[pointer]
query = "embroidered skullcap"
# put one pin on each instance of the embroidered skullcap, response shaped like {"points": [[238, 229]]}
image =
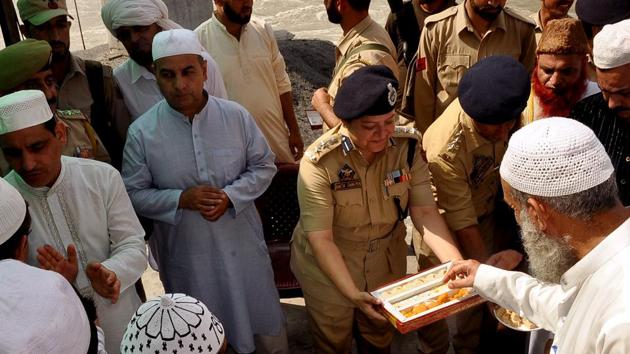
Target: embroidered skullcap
{"points": [[369, 91], [563, 36], [22, 60], [611, 46], [176, 42], [602, 12], [23, 109], [554, 157], [494, 90], [40, 312], [12, 210], [118, 13], [38, 12], [171, 322]]}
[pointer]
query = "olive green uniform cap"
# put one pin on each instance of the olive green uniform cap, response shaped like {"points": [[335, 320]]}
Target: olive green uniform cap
{"points": [[37, 12], [22, 60]]}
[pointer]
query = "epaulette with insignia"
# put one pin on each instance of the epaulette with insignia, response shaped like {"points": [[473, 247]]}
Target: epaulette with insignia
{"points": [[451, 11], [454, 144], [406, 132], [69, 113], [519, 16], [316, 151]]}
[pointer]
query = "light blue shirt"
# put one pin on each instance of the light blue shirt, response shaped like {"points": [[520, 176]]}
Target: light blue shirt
{"points": [[224, 263]]}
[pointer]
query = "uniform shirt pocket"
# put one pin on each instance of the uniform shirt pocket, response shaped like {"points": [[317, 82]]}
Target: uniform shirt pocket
{"points": [[349, 210], [450, 71]]}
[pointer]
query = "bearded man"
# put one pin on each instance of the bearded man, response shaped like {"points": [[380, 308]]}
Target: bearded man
{"points": [[559, 180], [560, 78]]}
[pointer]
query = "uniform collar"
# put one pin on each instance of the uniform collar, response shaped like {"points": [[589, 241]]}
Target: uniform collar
{"points": [[346, 40], [471, 136], [603, 253], [77, 67], [347, 145], [462, 21], [137, 71]]}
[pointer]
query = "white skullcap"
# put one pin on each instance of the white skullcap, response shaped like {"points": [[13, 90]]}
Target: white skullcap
{"points": [[40, 312], [554, 157], [118, 13], [176, 42], [172, 322], [23, 109], [12, 210], [611, 46]]}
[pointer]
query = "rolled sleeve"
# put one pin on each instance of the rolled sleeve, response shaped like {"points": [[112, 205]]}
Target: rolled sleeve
{"points": [[453, 193], [315, 198]]}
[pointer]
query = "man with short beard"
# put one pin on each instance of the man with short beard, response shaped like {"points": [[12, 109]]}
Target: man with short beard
{"points": [[608, 112], [559, 180], [255, 73], [560, 78], [364, 43], [454, 40], [85, 85], [134, 23]]}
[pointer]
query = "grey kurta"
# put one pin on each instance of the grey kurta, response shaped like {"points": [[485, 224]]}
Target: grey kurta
{"points": [[225, 263]]}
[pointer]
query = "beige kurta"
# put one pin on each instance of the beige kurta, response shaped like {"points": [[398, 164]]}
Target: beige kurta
{"points": [[254, 74]]}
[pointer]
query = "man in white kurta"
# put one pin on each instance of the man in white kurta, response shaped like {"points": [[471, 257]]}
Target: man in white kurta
{"points": [[84, 204], [135, 23], [254, 73], [205, 151], [560, 182]]}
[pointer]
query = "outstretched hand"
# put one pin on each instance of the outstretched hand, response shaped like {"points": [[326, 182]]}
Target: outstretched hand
{"points": [[50, 259], [104, 281], [508, 259], [462, 274]]}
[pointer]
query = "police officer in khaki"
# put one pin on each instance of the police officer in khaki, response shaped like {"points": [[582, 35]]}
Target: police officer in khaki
{"points": [[456, 39], [26, 65], [355, 186], [464, 148], [364, 42]]}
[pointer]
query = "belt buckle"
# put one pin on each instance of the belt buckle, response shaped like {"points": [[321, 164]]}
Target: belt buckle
{"points": [[373, 246]]}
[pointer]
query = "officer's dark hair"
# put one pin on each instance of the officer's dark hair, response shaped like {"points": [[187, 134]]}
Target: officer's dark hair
{"points": [[359, 5], [9, 248], [90, 311]]}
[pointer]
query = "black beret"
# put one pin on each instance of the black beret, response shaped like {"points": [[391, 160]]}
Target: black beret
{"points": [[602, 12], [369, 91], [494, 90]]}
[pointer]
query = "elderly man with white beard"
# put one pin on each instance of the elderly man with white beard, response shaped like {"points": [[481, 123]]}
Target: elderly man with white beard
{"points": [[559, 180]]}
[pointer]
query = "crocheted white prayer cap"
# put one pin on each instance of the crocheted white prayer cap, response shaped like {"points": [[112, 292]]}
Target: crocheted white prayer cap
{"points": [[611, 46], [23, 109], [40, 312], [554, 157], [170, 323], [12, 210], [175, 42]]}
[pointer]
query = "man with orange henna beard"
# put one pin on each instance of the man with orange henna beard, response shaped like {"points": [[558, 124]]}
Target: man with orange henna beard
{"points": [[560, 78]]}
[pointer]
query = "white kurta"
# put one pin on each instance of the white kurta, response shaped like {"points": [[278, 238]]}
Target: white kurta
{"points": [[89, 207], [255, 76], [223, 263], [140, 90], [589, 311]]}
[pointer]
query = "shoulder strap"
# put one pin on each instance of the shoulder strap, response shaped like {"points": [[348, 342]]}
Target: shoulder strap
{"points": [[356, 50]]}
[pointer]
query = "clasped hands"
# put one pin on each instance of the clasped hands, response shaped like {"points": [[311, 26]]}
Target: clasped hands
{"points": [[211, 202], [103, 281]]}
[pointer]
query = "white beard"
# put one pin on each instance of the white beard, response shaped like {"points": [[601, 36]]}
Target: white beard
{"points": [[549, 257]]}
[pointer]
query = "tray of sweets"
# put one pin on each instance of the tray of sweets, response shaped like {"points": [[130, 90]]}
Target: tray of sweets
{"points": [[420, 299]]}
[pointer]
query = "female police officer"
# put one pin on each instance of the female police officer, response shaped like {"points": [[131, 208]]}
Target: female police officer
{"points": [[355, 186]]}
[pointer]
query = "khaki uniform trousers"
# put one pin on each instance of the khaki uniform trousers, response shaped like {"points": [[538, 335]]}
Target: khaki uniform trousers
{"points": [[334, 320]]}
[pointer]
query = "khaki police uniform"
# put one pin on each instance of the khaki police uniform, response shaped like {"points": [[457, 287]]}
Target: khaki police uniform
{"points": [[367, 43], [82, 140], [465, 171], [449, 46], [338, 190]]}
